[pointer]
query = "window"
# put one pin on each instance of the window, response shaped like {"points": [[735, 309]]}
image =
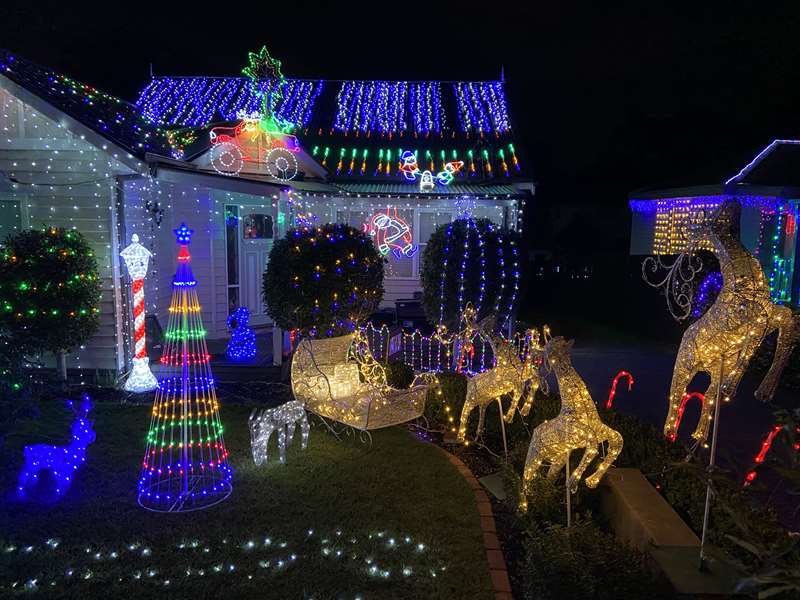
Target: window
{"points": [[232, 252], [429, 222], [257, 226]]}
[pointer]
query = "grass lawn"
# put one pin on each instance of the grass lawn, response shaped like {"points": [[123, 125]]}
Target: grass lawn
{"points": [[340, 520]]}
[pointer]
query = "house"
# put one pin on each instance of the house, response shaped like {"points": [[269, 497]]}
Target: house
{"points": [[189, 150], [768, 188]]}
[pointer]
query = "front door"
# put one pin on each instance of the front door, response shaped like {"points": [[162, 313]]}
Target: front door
{"points": [[255, 243]]}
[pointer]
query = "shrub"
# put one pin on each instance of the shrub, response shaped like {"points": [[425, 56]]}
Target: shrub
{"points": [[682, 485], [322, 280], [49, 290], [445, 401], [398, 374], [443, 260], [585, 562]]}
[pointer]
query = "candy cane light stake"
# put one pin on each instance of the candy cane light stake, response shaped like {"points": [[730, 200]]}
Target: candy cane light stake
{"points": [[136, 258]]}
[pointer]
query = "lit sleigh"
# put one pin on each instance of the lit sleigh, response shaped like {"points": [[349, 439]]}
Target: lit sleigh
{"points": [[254, 140], [339, 379]]}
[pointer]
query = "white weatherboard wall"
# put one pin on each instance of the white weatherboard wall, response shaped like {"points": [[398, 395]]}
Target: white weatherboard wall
{"points": [[75, 188], [194, 207]]}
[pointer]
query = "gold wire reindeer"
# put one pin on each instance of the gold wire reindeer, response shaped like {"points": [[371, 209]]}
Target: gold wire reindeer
{"points": [[722, 342], [577, 426], [510, 375]]}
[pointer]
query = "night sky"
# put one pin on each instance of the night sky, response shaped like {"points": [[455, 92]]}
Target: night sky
{"points": [[604, 99]]}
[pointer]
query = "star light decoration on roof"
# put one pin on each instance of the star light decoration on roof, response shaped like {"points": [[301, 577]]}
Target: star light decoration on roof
{"points": [[262, 65]]}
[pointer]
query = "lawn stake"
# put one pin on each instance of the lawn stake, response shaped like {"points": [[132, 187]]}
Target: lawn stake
{"points": [[711, 462]]}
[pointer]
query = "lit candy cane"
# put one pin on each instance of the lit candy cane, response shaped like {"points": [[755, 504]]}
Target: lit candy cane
{"points": [[613, 391], [686, 397], [765, 447], [136, 259]]}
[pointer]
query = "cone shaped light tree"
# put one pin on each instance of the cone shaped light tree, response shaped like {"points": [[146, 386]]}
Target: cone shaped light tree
{"points": [[185, 465]]}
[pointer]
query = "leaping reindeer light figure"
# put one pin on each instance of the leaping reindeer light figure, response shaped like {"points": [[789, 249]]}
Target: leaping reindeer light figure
{"points": [[61, 461], [722, 341], [577, 426], [510, 375]]}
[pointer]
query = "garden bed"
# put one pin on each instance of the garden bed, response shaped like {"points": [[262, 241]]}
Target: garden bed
{"points": [[546, 560]]}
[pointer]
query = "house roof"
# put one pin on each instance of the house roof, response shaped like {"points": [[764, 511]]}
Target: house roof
{"points": [[776, 165], [453, 190], [118, 121], [773, 172], [359, 129]]}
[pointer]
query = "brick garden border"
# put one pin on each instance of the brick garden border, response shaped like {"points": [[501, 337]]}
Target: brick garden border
{"points": [[494, 554]]}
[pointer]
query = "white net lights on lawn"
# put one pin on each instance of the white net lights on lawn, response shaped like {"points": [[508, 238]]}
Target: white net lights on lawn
{"points": [[284, 419], [136, 259], [722, 341], [374, 555], [577, 426]]}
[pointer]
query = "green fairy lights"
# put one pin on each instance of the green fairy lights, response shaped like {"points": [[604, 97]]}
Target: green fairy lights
{"points": [[49, 290]]}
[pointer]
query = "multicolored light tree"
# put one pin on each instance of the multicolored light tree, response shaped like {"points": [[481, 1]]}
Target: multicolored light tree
{"points": [[185, 464]]}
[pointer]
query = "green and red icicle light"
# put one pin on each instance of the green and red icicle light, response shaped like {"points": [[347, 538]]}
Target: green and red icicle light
{"points": [[185, 465]]}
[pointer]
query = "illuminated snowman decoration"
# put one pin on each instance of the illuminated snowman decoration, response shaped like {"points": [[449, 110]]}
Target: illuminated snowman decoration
{"points": [[427, 180]]}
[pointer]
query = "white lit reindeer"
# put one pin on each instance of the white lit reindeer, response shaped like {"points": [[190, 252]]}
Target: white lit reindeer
{"points": [[283, 419], [61, 461]]}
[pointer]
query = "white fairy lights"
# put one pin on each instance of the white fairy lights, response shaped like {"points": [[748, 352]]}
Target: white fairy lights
{"points": [[259, 556], [136, 259], [284, 419]]}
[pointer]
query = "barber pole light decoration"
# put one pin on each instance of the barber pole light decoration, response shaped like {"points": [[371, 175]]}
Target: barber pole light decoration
{"points": [[136, 259]]}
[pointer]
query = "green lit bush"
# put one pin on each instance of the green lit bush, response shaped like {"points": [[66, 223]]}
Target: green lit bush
{"points": [[49, 292]]}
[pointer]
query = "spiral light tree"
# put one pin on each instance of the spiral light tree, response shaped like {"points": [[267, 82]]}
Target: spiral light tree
{"points": [[185, 464], [136, 259]]}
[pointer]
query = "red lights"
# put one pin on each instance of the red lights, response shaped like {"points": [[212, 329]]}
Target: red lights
{"points": [[613, 391]]}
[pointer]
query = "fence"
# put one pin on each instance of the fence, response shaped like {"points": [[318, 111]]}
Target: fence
{"points": [[426, 353]]}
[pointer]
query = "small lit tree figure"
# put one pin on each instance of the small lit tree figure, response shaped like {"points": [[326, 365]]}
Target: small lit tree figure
{"points": [[185, 464], [136, 259]]}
